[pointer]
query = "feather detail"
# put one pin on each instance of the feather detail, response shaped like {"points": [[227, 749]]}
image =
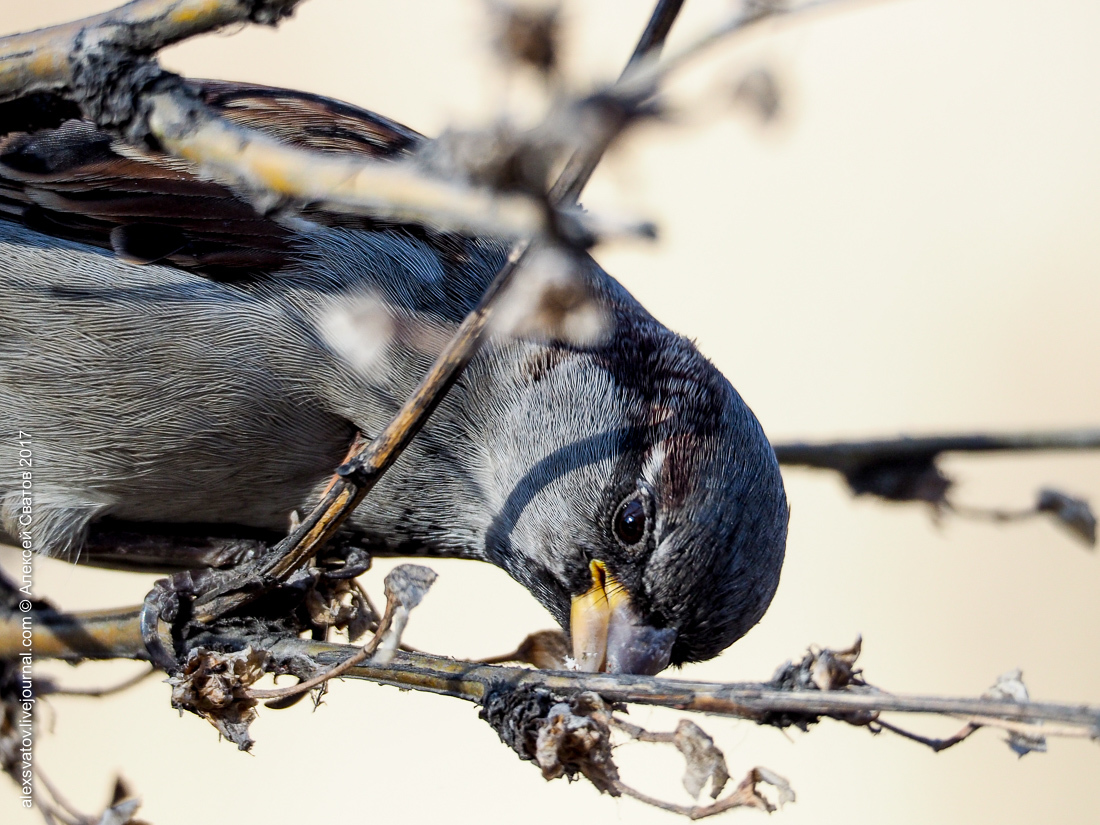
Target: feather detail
{"points": [[69, 180]]}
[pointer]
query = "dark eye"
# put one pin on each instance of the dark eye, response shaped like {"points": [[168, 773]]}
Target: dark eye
{"points": [[630, 521]]}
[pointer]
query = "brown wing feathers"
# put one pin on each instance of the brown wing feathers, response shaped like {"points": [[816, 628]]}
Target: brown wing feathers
{"points": [[65, 178]]}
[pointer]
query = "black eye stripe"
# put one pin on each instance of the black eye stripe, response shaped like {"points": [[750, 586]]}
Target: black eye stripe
{"points": [[630, 521]]}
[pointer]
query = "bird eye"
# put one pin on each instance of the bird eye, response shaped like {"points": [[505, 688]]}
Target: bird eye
{"points": [[630, 521]]}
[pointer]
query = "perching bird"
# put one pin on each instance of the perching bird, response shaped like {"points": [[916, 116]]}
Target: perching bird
{"points": [[188, 372]]}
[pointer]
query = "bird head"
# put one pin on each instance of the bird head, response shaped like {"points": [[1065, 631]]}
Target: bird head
{"points": [[638, 498]]}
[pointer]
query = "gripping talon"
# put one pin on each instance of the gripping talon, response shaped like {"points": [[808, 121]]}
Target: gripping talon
{"points": [[159, 655], [163, 603]]}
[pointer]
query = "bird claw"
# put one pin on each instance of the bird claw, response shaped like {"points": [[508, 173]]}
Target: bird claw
{"points": [[169, 601], [346, 563]]}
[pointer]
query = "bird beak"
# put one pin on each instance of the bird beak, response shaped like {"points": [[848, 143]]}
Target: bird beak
{"points": [[609, 636]]}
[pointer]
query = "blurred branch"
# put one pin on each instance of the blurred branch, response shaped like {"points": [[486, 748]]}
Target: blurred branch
{"points": [[49, 688], [848, 456], [582, 164], [274, 175], [656, 32], [644, 73], [103, 65], [56, 808], [60, 58], [647, 74], [905, 469]]}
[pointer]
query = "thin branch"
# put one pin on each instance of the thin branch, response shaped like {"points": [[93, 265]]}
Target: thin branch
{"points": [[647, 74], [936, 745], [54, 690], [334, 672], [61, 808], [1035, 730], [405, 587], [843, 456], [79, 636], [996, 515], [656, 33], [905, 469], [75, 637], [741, 798], [745, 700], [51, 59], [582, 164], [251, 162]]}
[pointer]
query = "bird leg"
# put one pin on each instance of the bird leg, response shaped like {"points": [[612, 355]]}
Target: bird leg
{"points": [[164, 603], [190, 555], [170, 548], [301, 602]]}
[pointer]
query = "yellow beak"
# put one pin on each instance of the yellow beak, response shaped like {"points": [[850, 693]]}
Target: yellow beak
{"points": [[590, 618], [607, 633]]}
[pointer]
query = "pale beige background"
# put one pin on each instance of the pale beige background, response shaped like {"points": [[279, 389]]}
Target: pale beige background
{"points": [[914, 249]]}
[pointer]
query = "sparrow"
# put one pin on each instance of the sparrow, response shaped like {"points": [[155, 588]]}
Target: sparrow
{"points": [[183, 372]]}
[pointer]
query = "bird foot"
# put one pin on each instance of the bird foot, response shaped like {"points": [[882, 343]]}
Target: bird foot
{"points": [[171, 611], [169, 602]]}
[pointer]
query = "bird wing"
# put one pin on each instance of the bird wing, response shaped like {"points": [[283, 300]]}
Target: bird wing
{"points": [[61, 176]]}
